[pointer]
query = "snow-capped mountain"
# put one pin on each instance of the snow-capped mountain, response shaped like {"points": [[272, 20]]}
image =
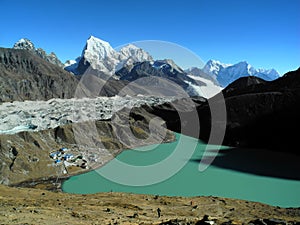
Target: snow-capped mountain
{"points": [[128, 64], [130, 54], [26, 44], [131, 63], [213, 67], [227, 73], [102, 57]]}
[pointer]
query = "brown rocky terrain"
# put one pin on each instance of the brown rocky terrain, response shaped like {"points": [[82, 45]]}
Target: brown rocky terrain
{"points": [[34, 206], [26, 76]]}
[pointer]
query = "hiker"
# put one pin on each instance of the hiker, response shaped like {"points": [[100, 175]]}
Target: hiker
{"points": [[158, 212]]}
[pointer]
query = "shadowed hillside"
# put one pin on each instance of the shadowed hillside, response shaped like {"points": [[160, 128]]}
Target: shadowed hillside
{"points": [[25, 76]]}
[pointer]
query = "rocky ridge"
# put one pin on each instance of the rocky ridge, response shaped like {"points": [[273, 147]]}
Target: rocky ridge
{"points": [[26, 44]]}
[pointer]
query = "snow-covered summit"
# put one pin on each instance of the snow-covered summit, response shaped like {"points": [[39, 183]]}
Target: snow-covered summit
{"points": [[134, 52], [97, 49], [213, 67], [25, 44], [101, 56], [227, 73]]}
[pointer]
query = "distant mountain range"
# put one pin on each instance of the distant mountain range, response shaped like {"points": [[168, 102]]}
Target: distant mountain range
{"points": [[101, 56], [130, 63], [227, 73]]}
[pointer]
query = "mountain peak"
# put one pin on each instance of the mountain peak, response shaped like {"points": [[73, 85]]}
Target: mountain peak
{"points": [[244, 64], [25, 44], [130, 46], [217, 63], [171, 63], [93, 39], [213, 67], [101, 56], [97, 49], [139, 54], [227, 73]]}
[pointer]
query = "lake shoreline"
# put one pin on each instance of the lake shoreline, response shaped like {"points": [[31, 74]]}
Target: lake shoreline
{"points": [[56, 184], [53, 183], [237, 181]]}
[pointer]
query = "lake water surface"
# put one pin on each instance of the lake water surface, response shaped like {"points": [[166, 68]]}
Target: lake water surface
{"points": [[216, 180]]}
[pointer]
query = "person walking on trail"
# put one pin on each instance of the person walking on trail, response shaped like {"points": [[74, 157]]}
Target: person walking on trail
{"points": [[158, 212]]}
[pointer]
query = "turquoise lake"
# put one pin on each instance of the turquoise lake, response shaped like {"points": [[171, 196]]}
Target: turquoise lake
{"points": [[248, 175]]}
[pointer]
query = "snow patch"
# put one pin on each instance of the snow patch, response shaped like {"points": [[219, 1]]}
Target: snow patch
{"points": [[208, 90]]}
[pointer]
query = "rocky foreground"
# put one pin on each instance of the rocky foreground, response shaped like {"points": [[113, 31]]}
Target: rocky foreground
{"points": [[34, 206]]}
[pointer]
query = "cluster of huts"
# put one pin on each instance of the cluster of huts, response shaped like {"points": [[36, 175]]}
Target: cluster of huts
{"points": [[64, 156]]}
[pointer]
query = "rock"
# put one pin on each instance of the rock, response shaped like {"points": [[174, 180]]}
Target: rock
{"points": [[271, 221], [205, 221], [274, 221], [175, 222]]}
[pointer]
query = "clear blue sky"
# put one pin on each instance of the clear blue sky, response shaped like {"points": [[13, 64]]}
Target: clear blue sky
{"points": [[266, 33]]}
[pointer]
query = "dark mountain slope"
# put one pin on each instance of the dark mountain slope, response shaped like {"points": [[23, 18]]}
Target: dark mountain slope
{"points": [[260, 114], [25, 76], [263, 114]]}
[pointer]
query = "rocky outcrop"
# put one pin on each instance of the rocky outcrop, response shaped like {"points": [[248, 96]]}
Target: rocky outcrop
{"points": [[51, 58], [25, 76]]}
